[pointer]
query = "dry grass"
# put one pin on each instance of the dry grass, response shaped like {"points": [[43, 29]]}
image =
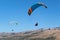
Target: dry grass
{"points": [[33, 35]]}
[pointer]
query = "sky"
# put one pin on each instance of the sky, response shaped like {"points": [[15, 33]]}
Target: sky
{"points": [[17, 11]]}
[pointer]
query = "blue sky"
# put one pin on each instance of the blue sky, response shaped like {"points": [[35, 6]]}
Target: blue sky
{"points": [[17, 10]]}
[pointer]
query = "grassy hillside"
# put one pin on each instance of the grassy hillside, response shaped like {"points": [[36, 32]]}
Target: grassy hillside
{"points": [[48, 34]]}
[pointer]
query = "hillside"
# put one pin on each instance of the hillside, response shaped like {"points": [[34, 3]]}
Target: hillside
{"points": [[48, 34]]}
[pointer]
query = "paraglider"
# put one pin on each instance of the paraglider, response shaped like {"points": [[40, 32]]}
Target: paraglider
{"points": [[33, 7], [13, 24], [36, 24], [12, 30]]}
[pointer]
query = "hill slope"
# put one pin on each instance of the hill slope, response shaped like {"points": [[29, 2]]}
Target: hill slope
{"points": [[52, 34]]}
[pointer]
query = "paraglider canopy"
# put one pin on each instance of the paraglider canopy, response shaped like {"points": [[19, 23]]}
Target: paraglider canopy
{"points": [[33, 7], [12, 23]]}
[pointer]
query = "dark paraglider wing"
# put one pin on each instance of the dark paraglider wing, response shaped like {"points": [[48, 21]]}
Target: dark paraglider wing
{"points": [[33, 7]]}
